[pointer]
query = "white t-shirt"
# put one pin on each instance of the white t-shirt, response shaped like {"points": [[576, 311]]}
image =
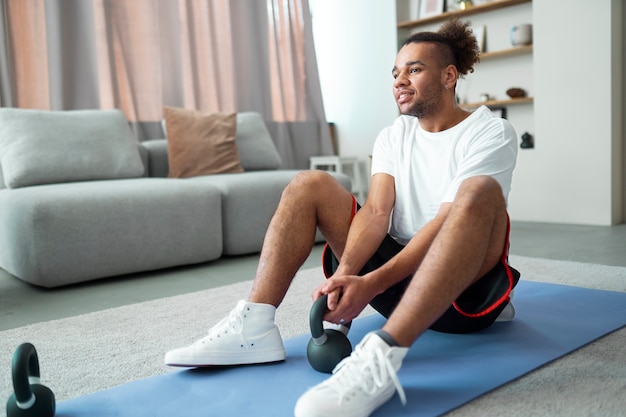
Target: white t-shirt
{"points": [[428, 168]]}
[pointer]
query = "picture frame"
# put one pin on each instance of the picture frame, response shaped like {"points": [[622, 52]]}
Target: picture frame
{"points": [[498, 112], [430, 8], [479, 34]]}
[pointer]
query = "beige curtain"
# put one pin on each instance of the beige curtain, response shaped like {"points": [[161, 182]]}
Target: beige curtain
{"points": [[286, 56], [127, 55], [133, 63], [207, 59], [25, 25], [140, 55]]}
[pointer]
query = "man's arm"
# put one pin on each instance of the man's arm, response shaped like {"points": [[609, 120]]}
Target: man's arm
{"points": [[357, 291], [369, 227], [406, 262], [367, 230]]}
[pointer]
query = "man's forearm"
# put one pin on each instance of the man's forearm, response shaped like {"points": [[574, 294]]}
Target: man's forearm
{"points": [[367, 231], [408, 260]]}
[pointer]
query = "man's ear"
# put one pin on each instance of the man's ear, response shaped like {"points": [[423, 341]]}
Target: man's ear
{"points": [[450, 75]]}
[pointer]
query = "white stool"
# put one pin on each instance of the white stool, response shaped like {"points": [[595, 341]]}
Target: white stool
{"points": [[335, 163]]}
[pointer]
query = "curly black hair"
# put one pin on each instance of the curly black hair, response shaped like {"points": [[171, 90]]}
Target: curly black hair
{"points": [[460, 46]]}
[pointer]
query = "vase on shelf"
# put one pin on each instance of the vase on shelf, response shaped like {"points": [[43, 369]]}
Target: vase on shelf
{"points": [[465, 4]]}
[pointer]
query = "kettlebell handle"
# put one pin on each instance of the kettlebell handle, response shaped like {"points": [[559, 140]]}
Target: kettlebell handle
{"points": [[327, 347], [25, 362], [30, 398], [316, 319]]}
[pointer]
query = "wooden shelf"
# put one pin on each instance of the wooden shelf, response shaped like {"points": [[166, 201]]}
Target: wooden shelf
{"points": [[481, 8], [498, 103], [520, 50]]}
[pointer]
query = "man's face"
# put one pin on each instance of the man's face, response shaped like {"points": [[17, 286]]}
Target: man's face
{"points": [[418, 86]]}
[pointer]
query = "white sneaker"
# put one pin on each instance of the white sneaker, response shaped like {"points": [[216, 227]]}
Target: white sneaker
{"points": [[360, 383], [248, 335], [508, 313]]}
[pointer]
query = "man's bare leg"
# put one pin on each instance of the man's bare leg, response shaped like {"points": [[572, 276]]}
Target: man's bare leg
{"points": [[249, 333], [468, 245], [312, 199]]}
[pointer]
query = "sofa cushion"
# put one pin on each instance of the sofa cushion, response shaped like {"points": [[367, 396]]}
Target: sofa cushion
{"points": [[256, 147], [201, 143], [45, 147], [61, 234], [249, 201]]}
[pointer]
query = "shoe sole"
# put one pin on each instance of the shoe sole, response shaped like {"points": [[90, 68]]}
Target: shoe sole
{"points": [[384, 397], [230, 360]]}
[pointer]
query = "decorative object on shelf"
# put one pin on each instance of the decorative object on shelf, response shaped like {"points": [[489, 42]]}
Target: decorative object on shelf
{"points": [[430, 8], [527, 141], [484, 97], [515, 92], [452, 6], [498, 112], [465, 4], [479, 34], [522, 34]]}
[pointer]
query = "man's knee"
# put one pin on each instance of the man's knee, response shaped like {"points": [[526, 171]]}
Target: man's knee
{"points": [[480, 190], [482, 203], [481, 183], [309, 183]]}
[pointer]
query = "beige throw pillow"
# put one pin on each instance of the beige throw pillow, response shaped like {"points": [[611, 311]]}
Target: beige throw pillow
{"points": [[201, 143]]}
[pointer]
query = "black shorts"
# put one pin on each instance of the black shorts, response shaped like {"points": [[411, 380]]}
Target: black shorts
{"points": [[476, 308]]}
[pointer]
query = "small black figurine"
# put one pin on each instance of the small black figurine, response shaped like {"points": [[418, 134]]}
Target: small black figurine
{"points": [[527, 141]]}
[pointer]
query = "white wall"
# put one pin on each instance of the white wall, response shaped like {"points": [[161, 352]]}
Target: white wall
{"points": [[574, 174], [355, 43]]}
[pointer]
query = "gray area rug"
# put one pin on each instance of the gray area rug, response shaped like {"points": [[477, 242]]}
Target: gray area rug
{"points": [[92, 352]]}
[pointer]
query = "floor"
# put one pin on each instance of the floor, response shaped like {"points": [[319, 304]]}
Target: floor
{"points": [[22, 304]]}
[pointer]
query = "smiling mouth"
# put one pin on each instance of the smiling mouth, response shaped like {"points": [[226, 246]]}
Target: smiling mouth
{"points": [[403, 97]]}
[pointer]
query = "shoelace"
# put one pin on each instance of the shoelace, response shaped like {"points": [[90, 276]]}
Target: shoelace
{"points": [[360, 368], [234, 321]]}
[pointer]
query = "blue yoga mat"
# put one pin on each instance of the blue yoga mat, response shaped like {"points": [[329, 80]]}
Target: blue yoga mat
{"points": [[441, 371]]}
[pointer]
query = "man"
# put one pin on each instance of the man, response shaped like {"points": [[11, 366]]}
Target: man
{"points": [[428, 249]]}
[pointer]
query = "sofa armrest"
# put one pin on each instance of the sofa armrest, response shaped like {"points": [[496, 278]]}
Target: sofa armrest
{"points": [[158, 165]]}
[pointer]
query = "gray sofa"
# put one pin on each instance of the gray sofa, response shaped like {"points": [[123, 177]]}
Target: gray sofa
{"points": [[82, 199]]}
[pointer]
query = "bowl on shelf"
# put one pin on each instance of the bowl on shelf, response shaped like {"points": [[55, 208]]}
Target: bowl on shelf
{"points": [[515, 92]]}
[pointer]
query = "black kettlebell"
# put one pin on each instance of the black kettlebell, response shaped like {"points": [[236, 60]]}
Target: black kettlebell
{"points": [[327, 347], [31, 399]]}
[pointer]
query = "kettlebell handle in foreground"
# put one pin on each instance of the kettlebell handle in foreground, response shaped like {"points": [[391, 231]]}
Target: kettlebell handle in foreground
{"points": [[30, 399]]}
